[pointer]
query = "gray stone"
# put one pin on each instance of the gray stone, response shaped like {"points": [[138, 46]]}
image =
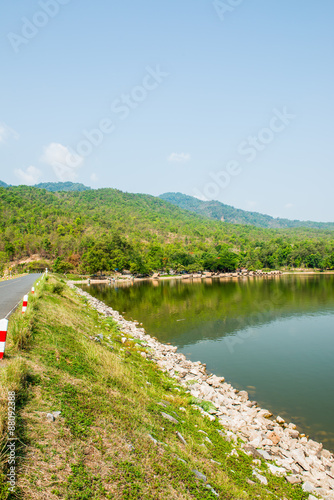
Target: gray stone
{"points": [[152, 439], [264, 454], [300, 460], [250, 450], [293, 479], [293, 433], [308, 487], [199, 475], [212, 490], [249, 481], [243, 396], [280, 420], [181, 438], [215, 462], [56, 414], [50, 417], [215, 381], [233, 453], [276, 470], [169, 417]]}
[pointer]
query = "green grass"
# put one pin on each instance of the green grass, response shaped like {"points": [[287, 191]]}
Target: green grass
{"points": [[110, 402]]}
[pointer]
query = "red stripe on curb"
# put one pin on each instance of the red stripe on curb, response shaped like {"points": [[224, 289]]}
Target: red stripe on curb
{"points": [[25, 303], [3, 335]]}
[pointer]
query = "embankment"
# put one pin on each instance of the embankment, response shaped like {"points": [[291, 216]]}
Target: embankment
{"points": [[296, 457], [97, 418]]}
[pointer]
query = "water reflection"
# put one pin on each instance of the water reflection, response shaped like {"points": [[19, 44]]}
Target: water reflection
{"points": [[272, 337]]}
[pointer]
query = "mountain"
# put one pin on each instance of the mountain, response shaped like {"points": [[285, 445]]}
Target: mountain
{"points": [[62, 186], [107, 229], [219, 211], [56, 186]]}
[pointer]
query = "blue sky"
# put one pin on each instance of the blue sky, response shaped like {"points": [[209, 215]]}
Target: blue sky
{"points": [[229, 100]]}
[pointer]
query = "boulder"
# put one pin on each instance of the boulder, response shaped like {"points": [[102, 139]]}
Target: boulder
{"points": [[199, 475], [275, 438], [243, 395]]}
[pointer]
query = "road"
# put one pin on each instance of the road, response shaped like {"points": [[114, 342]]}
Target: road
{"points": [[12, 291]]}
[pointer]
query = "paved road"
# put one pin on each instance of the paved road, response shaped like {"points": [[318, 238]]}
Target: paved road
{"points": [[12, 291]]}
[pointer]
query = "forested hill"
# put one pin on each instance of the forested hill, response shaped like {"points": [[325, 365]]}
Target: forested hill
{"points": [[62, 186], [57, 186], [106, 229], [219, 211]]}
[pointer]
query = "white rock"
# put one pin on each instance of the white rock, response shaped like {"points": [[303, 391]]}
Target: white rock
{"points": [[181, 438], [293, 479], [276, 470], [262, 479], [256, 442], [243, 395], [308, 487], [264, 454]]}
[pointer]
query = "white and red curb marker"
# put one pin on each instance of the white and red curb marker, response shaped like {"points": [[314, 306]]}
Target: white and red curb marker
{"points": [[3, 335], [25, 304], [33, 290]]}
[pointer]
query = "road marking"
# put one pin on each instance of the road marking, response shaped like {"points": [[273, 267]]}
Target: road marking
{"points": [[10, 312], [6, 283]]}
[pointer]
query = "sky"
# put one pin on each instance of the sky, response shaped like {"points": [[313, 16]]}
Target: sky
{"points": [[220, 99]]}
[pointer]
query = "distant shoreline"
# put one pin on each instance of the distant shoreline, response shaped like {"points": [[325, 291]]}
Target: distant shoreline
{"points": [[125, 279]]}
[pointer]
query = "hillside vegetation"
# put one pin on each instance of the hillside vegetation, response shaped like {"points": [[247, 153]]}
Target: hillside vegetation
{"points": [[219, 211], [108, 438], [56, 186], [62, 186], [106, 229]]}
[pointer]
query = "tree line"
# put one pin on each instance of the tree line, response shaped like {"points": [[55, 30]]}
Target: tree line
{"points": [[106, 230]]}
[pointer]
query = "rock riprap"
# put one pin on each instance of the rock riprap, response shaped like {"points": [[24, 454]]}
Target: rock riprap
{"points": [[299, 459]]}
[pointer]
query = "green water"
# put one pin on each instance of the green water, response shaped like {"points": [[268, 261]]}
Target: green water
{"points": [[271, 337]]}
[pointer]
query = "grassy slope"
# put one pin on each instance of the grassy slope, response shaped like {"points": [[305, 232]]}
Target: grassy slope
{"points": [[99, 447]]}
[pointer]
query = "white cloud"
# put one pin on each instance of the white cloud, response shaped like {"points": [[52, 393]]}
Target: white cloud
{"points": [[179, 157], [7, 133], [94, 177], [62, 160], [289, 205], [30, 176]]}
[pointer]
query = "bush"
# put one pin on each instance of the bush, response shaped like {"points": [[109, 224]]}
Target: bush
{"points": [[58, 288]]}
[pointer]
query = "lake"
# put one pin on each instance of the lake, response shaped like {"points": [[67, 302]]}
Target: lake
{"points": [[273, 337]]}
